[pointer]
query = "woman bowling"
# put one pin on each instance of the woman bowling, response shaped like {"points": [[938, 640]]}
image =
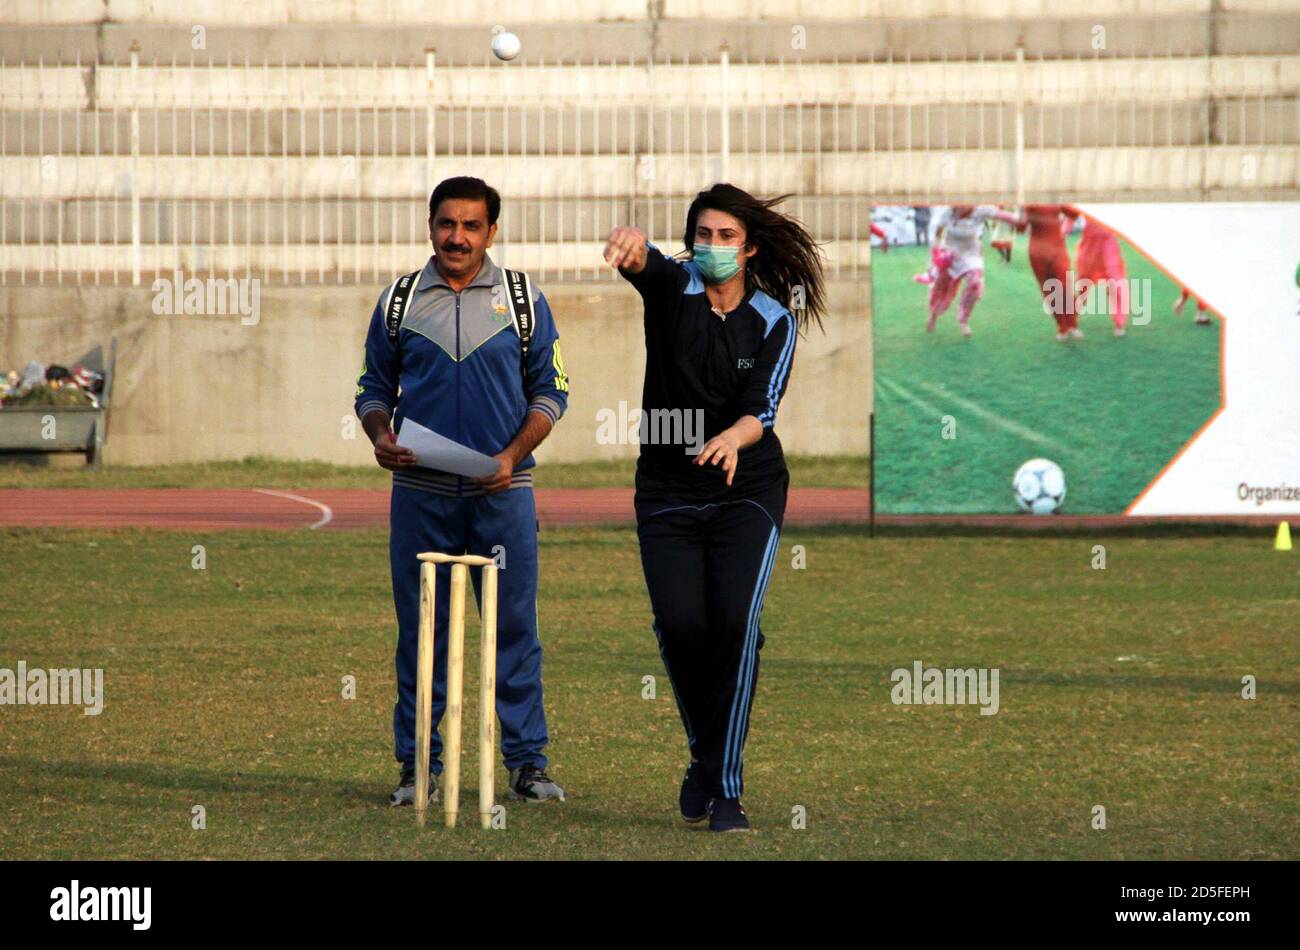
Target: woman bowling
{"points": [[711, 480]]}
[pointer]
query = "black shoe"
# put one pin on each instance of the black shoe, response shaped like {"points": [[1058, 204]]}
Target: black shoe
{"points": [[404, 794], [727, 814], [695, 794], [530, 784]]}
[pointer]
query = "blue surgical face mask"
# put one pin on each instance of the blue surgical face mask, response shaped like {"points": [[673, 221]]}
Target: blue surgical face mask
{"points": [[717, 262]]}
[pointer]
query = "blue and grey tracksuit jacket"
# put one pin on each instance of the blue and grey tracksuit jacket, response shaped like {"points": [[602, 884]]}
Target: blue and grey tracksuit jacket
{"points": [[456, 368]]}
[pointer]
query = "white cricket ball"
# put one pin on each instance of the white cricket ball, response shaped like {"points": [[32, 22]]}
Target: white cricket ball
{"points": [[506, 46]]}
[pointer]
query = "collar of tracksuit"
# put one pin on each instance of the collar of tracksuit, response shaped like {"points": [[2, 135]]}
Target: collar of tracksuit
{"points": [[489, 275]]}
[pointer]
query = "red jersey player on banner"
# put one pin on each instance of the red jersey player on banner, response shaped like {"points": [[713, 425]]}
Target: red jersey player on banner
{"points": [[1050, 260], [1099, 258]]}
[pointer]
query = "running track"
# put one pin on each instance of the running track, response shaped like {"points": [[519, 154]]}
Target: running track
{"points": [[342, 508], [334, 508]]}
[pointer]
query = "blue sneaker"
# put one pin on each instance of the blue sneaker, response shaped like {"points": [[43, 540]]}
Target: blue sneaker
{"points": [[695, 794], [727, 814]]}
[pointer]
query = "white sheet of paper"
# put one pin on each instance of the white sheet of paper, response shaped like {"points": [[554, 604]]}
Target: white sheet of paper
{"points": [[437, 451]]}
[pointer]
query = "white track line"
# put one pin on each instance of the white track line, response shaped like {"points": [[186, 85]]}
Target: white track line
{"points": [[942, 392], [327, 517], [1001, 422], [894, 388]]}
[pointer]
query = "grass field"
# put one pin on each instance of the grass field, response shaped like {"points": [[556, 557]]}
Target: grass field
{"points": [[806, 471], [1112, 412], [223, 689]]}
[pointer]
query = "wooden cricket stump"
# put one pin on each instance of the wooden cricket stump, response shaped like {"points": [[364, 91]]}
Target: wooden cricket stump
{"points": [[460, 565]]}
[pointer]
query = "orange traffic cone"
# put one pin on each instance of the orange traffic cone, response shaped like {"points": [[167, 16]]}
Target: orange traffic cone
{"points": [[1283, 542]]}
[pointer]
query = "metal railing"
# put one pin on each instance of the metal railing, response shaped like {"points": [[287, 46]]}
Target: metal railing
{"points": [[319, 173]]}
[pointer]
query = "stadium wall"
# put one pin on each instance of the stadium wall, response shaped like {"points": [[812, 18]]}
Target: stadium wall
{"points": [[203, 388]]}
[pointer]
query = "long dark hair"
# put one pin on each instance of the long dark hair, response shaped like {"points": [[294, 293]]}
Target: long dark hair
{"points": [[787, 257]]}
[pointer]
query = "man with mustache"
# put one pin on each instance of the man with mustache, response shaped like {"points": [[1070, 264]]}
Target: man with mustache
{"points": [[471, 351]]}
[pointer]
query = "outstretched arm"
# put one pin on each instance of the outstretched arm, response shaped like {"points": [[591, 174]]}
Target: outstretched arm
{"points": [[626, 250], [656, 277], [1006, 217]]}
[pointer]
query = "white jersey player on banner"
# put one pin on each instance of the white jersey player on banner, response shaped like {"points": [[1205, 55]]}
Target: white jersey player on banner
{"points": [[958, 256]]}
